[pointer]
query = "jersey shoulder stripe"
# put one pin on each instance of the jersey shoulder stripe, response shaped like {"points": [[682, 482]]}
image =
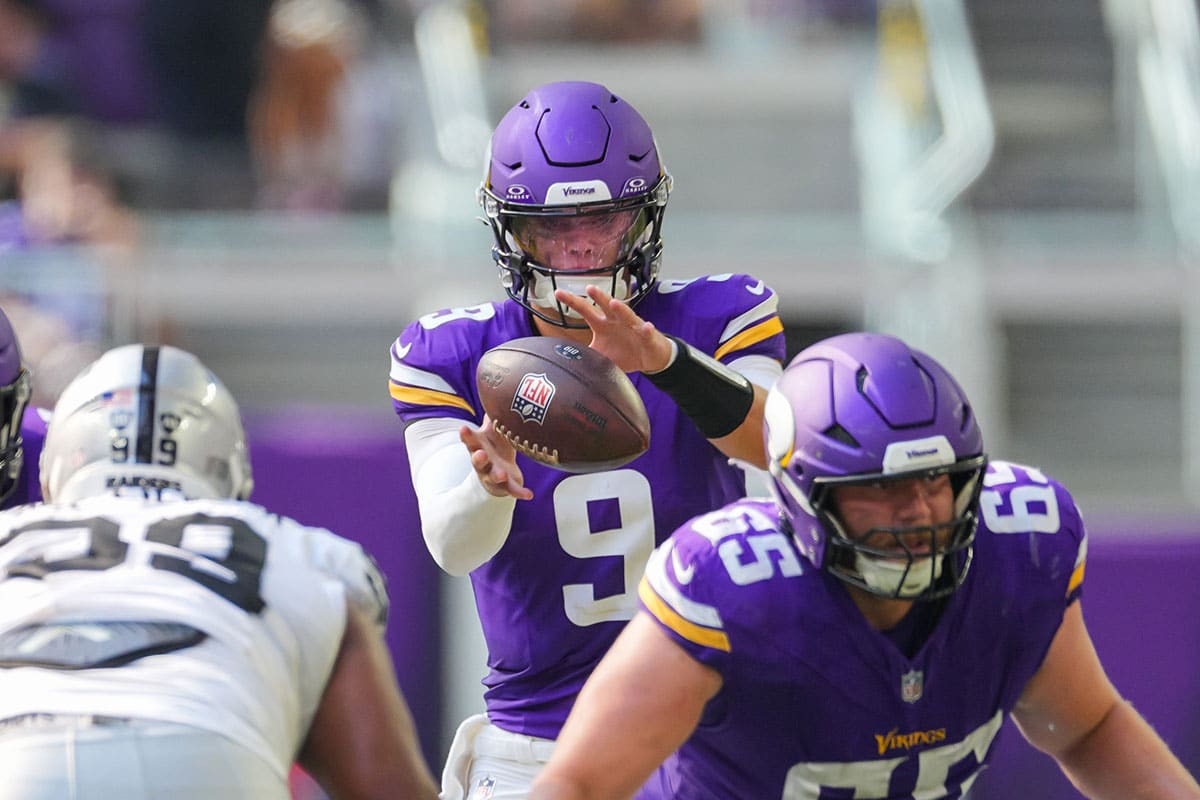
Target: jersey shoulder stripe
{"points": [[725, 316], [404, 374], [663, 597], [1077, 574], [751, 336], [425, 397], [667, 616], [765, 311]]}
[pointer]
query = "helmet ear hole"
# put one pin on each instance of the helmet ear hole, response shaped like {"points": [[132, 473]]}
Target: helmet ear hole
{"points": [[840, 434], [968, 418]]}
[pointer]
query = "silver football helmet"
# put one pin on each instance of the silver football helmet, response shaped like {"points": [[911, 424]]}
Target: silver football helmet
{"points": [[150, 418]]}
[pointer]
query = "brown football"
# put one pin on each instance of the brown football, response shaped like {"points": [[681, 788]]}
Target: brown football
{"points": [[563, 404]]}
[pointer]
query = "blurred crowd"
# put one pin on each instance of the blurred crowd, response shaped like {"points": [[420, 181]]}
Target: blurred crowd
{"points": [[110, 109], [191, 104], [175, 104], [269, 104], [113, 108]]}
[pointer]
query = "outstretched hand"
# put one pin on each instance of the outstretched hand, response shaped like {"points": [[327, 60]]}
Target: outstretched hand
{"points": [[629, 341], [495, 461]]}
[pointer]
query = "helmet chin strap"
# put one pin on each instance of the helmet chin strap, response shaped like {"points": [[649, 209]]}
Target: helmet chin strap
{"points": [[888, 576]]}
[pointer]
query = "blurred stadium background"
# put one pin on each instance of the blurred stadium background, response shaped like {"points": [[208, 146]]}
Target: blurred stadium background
{"points": [[1013, 186]]}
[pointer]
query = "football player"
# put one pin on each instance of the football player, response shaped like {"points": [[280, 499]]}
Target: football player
{"points": [[574, 193], [22, 427], [162, 637], [865, 633]]}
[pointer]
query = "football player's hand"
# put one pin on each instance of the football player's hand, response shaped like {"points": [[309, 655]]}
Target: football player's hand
{"points": [[495, 461], [629, 341]]}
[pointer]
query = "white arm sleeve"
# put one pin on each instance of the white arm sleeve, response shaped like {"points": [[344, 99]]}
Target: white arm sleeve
{"points": [[760, 370], [763, 371], [463, 525]]}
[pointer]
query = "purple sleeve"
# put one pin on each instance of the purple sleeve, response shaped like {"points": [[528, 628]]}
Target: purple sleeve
{"points": [[726, 316], [1034, 516], [433, 362], [700, 582]]}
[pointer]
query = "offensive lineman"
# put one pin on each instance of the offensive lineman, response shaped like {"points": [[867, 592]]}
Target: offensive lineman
{"points": [[865, 634]]}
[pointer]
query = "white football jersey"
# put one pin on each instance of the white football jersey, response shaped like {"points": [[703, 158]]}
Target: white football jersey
{"points": [[264, 595]]}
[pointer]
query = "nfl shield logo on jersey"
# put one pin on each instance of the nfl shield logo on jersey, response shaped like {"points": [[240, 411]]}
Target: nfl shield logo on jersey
{"points": [[484, 789], [912, 685], [533, 397]]}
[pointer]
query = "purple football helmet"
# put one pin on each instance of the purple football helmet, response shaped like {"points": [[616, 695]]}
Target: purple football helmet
{"points": [[865, 408], [15, 388], [574, 191]]}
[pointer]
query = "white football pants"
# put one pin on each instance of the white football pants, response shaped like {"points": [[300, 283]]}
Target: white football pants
{"points": [[76, 758], [489, 763]]}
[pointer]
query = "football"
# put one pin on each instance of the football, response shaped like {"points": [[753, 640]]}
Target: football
{"points": [[563, 404]]}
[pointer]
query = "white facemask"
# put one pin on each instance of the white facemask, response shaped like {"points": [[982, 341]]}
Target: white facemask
{"points": [[542, 292], [887, 575]]}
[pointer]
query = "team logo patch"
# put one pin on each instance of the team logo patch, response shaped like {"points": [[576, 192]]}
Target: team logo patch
{"points": [[484, 789], [533, 396], [912, 686]]}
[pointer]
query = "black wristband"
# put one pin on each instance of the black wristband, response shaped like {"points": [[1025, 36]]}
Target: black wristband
{"points": [[715, 397]]}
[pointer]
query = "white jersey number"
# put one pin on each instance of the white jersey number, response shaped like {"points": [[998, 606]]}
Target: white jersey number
{"points": [[633, 541], [439, 318], [1033, 509], [770, 550]]}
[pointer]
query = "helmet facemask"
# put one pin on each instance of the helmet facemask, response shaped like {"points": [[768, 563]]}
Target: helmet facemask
{"points": [[14, 397], [920, 562], [616, 245]]}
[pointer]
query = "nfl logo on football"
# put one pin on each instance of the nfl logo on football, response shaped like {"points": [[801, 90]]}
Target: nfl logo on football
{"points": [[912, 685], [533, 397]]}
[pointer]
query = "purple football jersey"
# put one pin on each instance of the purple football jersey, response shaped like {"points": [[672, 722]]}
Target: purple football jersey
{"points": [[33, 434], [815, 703], [554, 597]]}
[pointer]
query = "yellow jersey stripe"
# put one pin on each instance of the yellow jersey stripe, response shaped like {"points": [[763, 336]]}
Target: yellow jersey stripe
{"points": [[1076, 578], [427, 397], [763, 330], [717, 640]]}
